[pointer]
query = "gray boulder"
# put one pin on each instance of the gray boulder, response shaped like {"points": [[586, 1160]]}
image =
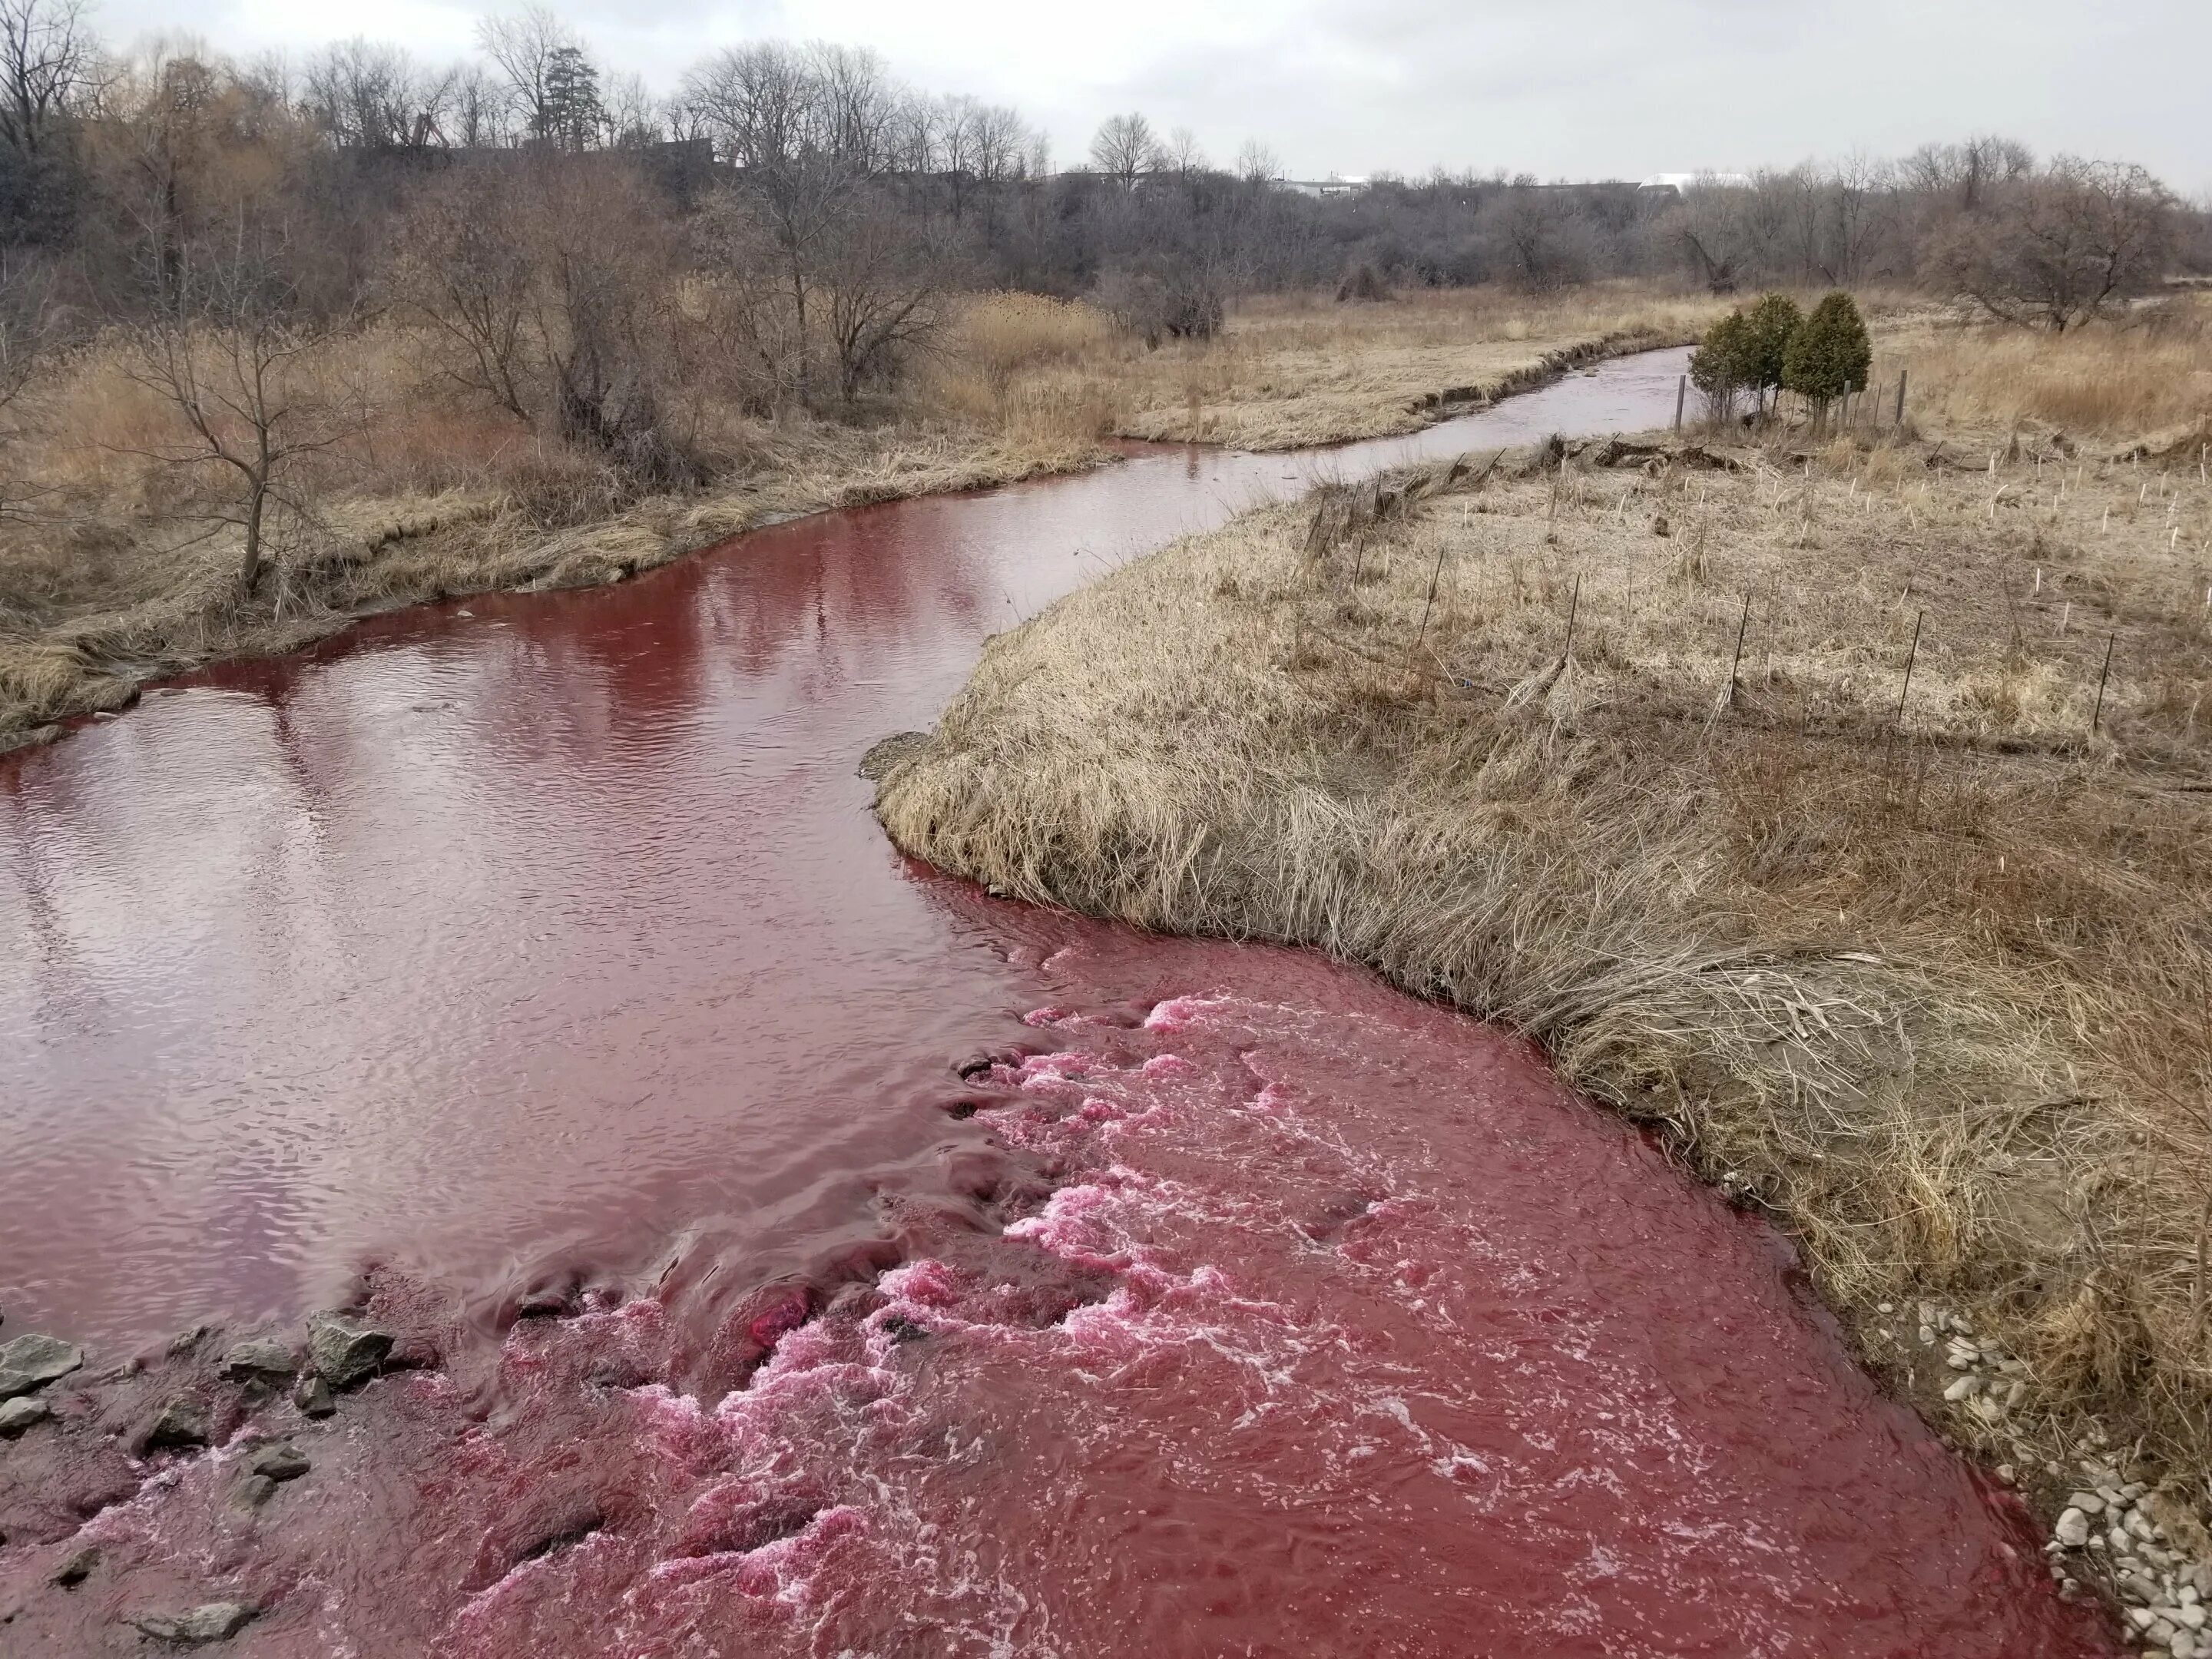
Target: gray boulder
{"points": [[281, 1461], [260, 1361], [18, 1415], [217, 1621], [32, 1361], [344, 1352], [312, 1396], [182, 1423]]}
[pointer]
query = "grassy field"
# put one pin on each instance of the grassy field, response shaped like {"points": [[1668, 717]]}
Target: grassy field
{"points": [[115, 566], [1293, 370], [1925, 970]]}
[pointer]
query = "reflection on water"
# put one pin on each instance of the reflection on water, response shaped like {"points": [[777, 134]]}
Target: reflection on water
{"points": [[543, 933]]}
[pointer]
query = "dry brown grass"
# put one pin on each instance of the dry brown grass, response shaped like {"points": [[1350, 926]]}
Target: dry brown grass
{"points": [[1290, 371], [2148, 372], [1933, 991]]}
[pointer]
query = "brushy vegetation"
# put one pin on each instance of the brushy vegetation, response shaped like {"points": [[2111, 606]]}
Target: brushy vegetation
{"points": [[1926, 972]]}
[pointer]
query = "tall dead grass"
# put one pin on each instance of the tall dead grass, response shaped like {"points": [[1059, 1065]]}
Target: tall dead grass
{"points": [[1930, 985], [2149, 371]]}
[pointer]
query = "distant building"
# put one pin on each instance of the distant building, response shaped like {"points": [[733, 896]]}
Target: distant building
{"points": [[1678, 182], [1335, 185]]}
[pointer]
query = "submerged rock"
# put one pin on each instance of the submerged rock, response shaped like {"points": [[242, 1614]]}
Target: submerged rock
{"points": [[75, 1568], [18, 1415], [345, 1351], [215, 1621], [253, 1492], [551, 1302], [33, 1360]]}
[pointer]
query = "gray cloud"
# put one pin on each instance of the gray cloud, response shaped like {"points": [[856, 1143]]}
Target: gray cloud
{"points": [[1618, 88]]}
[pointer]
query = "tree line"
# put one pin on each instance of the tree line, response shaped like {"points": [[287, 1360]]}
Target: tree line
{"points": [[778, 230]]}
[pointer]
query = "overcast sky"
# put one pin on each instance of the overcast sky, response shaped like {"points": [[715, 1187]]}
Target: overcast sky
{"points": [[1576, 88]]}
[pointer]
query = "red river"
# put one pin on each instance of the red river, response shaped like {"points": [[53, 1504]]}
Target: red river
{"points": [[936, 1276]]}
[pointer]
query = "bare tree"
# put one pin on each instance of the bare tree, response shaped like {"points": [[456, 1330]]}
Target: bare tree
{"points": [[552, 288], [1256, 164], [1182, 154], [2061, 247], [47, 63], [26, 332], [1124, 149], [233, 355], [462, 267], [806, 130], [368, 96], [880, 284], [526, 47], [478, 109], [633, 115]]}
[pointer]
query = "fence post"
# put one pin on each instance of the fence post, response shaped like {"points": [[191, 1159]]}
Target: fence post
{"points": [[2097, 718], [1681, 396], [1742, 622], [1899, 419], [1897, 720]]}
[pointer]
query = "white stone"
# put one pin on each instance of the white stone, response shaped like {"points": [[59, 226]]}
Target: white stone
{"points": [[2073, 1529], [2087, 1502]]}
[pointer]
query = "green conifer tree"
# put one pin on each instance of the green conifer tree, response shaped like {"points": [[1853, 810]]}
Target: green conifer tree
{"points": [[1721, 365], [1828, 356], [1769, 328]]}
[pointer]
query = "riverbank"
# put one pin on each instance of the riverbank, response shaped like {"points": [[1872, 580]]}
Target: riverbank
{"points": [[165, 611], [1292, 372], [118, 570], [1919, 970]]}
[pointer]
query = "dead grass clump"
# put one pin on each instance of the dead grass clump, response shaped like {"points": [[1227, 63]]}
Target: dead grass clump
{"points": [[2148, 372], [1927, 983]]}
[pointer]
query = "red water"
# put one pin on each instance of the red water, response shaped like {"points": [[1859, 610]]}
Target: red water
{"points": [[1241, 1307]]}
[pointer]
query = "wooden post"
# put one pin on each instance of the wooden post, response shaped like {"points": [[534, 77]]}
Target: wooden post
{"points": [[1911, 656], [1898, 420], [1681, 396], [1742, 622], [1897, 720], [2097, 718], [1434, 576], [1573, 606]]}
